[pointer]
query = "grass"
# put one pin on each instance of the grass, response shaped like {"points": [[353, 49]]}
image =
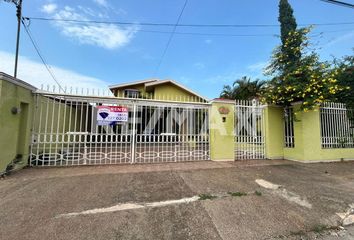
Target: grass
{"points": [[320, 228], [237, 194], [206, 196], [258, 193], [298, 233]]}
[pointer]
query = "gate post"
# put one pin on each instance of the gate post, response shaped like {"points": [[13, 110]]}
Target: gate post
{"points": [[274, 132], [133, 133], [222, 123]]}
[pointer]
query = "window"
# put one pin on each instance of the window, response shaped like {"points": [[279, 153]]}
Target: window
{"points": [[289, 128], [131, 93], [337, 126]]}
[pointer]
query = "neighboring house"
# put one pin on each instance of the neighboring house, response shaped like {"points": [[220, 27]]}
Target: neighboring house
{"points": [[156, 89]]}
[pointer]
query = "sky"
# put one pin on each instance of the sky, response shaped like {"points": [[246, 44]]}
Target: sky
{"points": [[201, 58]]}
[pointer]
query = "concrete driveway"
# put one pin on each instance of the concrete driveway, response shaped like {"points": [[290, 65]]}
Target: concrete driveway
{"points": [[162, 201]]}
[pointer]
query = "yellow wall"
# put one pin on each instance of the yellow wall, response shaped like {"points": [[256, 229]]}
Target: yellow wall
{"points": [[274, 132], [168, 91], [222, 145], [297, 152], [165, 91], [312, 141], [14, 128], [307, 134]]}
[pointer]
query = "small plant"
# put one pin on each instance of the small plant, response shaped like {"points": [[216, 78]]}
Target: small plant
{"points": [[320, 228], [258, 193], [206, 196], [298, 233], [237, 194]]}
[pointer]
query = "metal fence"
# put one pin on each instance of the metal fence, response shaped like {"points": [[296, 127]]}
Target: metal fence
{"points": [[337, 126], [289, 138], [66, 131], [249, 130]]}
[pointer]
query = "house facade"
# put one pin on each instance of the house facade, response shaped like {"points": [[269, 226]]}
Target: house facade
{"points": [[158, 121], [156, 89]]}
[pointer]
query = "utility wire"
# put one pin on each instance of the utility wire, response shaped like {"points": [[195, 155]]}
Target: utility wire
{"points": [[344, 4], [236, 35], [170, 38], [35, 45], [210, 34], [182, 25]]}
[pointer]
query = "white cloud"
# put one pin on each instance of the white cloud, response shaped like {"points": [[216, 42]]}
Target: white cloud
{"points": [[342, 38], [36, 74], [49, 8], [102, 3], [257, 67], [109, 36]]}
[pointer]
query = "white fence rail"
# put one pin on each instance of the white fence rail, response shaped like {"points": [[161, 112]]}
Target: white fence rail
{"points": [[249, 130], [337, 126], [105, 92], [289, 138], [66, 132]]}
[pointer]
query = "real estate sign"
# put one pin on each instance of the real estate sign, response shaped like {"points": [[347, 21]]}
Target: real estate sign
{"points": [[111, 115]]}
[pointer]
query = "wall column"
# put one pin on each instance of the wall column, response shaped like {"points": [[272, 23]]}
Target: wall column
{"points": [[274, 132], [222, 124]]}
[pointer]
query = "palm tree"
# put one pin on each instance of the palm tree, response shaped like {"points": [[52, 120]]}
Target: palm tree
{"points": [[243, 89]]}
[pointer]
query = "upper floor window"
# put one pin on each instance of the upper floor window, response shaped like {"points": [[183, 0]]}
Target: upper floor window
{"points": [[131, 93]]}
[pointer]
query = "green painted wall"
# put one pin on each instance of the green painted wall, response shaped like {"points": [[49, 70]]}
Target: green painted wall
{"points": [[222, 145], [274, 132], [14, 128]]}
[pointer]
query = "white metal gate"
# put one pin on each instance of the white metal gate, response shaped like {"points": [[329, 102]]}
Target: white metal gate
{"points": [[249, 130], [65, 131]]}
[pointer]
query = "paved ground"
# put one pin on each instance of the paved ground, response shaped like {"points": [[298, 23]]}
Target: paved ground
{"points": [[32, 199]]}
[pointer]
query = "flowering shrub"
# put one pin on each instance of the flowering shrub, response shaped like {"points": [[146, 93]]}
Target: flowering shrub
{"points": [[299, 76]]}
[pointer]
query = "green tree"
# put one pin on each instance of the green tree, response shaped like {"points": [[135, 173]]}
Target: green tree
{"points": [[346, 79], [243, 89], [287, 25], [310, 81], [287, 20]]}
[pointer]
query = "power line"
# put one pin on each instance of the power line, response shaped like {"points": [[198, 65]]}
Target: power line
{"points": [[194, 33], [235, 35], [182, 25], [211, 34], [344, 4], [35, 45], [170, 38]]}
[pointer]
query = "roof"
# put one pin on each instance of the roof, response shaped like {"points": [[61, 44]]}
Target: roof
{"points": [[154, 82], [16, 81], [131, 83]]}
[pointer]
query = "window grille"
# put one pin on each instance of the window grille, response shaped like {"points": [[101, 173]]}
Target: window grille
{"points": [[337, 126], [131, 93]]}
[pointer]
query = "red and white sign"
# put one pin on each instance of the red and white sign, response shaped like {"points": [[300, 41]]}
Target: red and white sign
{"points": [[111, 115]]}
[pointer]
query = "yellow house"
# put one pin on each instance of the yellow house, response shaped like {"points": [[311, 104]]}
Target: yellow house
{"points": [[156, 89]]}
